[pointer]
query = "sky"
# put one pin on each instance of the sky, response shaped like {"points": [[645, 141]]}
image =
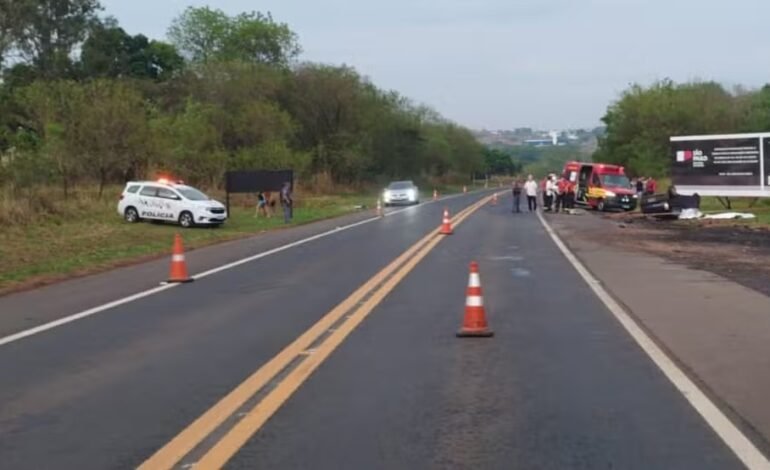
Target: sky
{"points": [[502, 64]]}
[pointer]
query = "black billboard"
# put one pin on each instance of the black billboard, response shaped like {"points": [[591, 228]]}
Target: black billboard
{"points": [[254, 181], [729, 161]]}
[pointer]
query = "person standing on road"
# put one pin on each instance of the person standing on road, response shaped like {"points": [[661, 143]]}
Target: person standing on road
{"points": [[286, 202], [516, 195], [569, 199], [550, 192], [530, 187], [561, 194], [640, 186], [651, 186]]}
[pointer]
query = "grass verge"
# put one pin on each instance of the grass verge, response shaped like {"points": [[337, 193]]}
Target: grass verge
{"points": [[96, 238]]}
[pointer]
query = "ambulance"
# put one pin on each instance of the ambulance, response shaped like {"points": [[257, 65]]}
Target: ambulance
{"points": [[601, 186]]}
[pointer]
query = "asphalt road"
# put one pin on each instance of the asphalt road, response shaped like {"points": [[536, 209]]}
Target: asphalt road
{"points": [[561, 385]]}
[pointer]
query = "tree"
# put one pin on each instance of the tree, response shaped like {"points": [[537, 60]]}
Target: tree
{"points": [[640, 124], [757, 114], [113, 138], [49, 31], [110, 52], [327, 103], [205, 34], [10, 21], [499, 162], [50, 108]]}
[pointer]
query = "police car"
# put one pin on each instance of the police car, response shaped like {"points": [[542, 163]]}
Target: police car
{"points": [[170, 202]]}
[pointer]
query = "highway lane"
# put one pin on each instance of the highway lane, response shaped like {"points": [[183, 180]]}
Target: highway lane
{"points": [[561, 385], [107, 391]]}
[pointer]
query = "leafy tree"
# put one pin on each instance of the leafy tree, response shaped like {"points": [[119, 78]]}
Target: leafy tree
{"points": [[50, 109], [499, 162], [113, 137], [640, 124], [110, 52], [49, 30], [205, 34]]}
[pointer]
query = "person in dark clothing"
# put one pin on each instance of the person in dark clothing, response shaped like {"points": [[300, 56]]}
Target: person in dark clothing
{"points": [[517, 196], [286, 202], [640, 186]]}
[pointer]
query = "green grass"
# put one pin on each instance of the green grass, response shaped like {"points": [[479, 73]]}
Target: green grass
{"points": [[96, 238]]}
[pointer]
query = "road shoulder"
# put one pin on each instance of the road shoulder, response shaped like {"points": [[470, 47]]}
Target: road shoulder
{"points": [[717, 329]]}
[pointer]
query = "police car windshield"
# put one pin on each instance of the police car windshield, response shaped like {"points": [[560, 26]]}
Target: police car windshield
{"points": [[193, 194], [616, 180], [400, 185]]}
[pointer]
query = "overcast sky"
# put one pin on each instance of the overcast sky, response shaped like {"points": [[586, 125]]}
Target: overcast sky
{"points": [[500, 64]]}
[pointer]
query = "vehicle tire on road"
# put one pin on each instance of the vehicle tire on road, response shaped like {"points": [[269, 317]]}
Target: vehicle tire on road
{"points": [[600, 206], [186, 219], [131, 215]]}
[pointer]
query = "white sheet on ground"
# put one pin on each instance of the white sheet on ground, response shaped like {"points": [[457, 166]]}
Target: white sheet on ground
{"points": [[730, 215], [688, 214]]}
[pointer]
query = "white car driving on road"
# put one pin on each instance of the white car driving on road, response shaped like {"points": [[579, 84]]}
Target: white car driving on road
{"points": [[401, 192], [170, 202]]}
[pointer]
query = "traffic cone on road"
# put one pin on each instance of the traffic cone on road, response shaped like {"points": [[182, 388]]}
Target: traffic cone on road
{"points": [[435, 195], [178, 264], [465, 189], [379, 208], [446, 224], [475, 321], [494, 199]]}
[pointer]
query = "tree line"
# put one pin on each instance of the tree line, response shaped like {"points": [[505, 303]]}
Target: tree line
{"points": [[640, 123], [82, 101]]}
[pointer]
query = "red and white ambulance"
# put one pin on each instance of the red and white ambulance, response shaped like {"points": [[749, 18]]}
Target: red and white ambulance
{"points": [[601, 186]]}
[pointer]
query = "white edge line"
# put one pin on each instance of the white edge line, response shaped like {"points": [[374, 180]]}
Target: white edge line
{"points": [[743, 448], [146, 293], [86, 313]]}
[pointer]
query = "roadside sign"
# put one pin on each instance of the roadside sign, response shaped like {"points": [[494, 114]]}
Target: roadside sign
{"points": [[721, 165]]}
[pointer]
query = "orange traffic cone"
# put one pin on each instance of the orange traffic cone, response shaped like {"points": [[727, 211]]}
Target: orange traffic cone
{"points": [[178, 264], [446, 224], [379, 208], [475, 322], [494, 199], [435, 195]]}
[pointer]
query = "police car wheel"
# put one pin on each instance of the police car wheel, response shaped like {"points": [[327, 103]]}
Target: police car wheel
{"points": [[131, 215], [186, 220], [601, 207]]}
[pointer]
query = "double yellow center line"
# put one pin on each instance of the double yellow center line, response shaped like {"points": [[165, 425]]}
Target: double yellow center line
{"points": [[296, 362]]}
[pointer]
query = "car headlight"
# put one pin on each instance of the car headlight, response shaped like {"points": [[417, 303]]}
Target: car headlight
{"points": [[635, 196], [609, 194], [412, 194], [386, 195]]}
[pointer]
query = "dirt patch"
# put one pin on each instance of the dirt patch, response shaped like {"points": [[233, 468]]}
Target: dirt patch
{"points": [[732, 249]]}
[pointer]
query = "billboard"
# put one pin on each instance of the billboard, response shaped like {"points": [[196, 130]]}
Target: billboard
{"points": [[253, 181], [721, 165]]}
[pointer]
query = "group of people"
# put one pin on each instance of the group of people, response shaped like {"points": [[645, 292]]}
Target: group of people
{"points": [[558, 193], [265, 203], [645, 185]]}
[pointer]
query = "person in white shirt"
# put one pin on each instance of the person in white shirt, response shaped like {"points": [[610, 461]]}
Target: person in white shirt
{"points": [[550, 192], [530, 188]]}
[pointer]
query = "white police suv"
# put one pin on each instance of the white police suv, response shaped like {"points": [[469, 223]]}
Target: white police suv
{"points": [[170, 202]]}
